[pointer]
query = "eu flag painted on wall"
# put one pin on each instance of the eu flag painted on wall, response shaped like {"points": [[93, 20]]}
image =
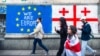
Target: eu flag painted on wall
{"points": [[22, 18]]}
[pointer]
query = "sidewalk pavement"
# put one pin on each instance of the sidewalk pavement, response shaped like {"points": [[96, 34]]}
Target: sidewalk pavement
{"points": [[38, 53]]}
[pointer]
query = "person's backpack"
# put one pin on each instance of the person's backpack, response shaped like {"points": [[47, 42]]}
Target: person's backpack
{"points": [[91, 34]]}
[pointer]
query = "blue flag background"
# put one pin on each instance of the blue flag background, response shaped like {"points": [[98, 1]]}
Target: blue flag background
{"points": [[22, 18]]}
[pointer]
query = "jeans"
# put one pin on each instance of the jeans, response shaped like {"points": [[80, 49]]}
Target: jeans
{"points": [[39, 41], [84, 46], [61, 48], [64, 52]]}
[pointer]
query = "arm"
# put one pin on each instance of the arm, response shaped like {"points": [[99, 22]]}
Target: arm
{"points": [[86, 29], [36, 30], [58, 31], [62, 31]]}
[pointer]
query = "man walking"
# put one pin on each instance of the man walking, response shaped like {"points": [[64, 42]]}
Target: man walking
{"points": [[38, 32], [85, 37]]}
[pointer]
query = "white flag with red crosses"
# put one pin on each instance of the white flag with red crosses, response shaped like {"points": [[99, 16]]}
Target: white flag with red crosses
{"points": [[73, 13]]}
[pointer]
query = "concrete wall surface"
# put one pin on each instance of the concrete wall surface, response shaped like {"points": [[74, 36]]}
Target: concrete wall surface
{"points": [[51, 43]]}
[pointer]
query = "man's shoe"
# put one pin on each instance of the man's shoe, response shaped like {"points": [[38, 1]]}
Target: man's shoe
{"points": [[47, 53], [32, 53], [94, 53]]}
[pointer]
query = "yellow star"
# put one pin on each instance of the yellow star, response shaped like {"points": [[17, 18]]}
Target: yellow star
{"points": [[34, 9], [29, 7], [23, 9], [18, 13], [17, 25], [39, 13], [17, 19], [34, 29], [21, 29], [28, 30]]}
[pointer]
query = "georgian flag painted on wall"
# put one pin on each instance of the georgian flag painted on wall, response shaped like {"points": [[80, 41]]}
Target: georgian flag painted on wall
{"points": [[22, 18], [73, 13]]}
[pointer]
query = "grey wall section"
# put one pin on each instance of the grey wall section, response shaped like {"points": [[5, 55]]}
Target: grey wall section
{"points": [[51, 43], [99, 17], [99, 12], [27, 44]]}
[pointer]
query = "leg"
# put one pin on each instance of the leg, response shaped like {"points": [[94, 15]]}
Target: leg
{"points": [[61, 48], [83, 47], [69, 53], [64, 52], [34, 44], [89, 49], [41, 45]]}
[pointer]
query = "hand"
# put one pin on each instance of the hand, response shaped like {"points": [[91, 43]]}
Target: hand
{"points": [[65, 44], [55, 29], [79, 28]]}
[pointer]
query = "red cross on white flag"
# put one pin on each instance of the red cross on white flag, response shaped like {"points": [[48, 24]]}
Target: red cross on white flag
{"points": [[73, 13]]}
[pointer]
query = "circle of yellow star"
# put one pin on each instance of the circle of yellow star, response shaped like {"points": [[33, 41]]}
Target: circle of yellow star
{"points": [[21, 29], [19, 13]]}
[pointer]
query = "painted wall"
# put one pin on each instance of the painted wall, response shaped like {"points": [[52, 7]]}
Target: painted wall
{"points": [[23, 17]]}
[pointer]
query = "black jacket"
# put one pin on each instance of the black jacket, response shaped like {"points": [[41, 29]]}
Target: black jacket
{"points": [[63, 33], [86, 31]]}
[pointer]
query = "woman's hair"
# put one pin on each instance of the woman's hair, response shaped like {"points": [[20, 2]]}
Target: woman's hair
{"points": [[73, 29], [63, 22]]}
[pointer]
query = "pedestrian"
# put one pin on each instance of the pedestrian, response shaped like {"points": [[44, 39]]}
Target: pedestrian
{"points": [[85, 36], [38, 33], [72, 44], [63, 35]]}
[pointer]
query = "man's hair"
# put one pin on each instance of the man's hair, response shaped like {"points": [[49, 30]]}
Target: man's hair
{"points": [[40, 19], [83, 18]]}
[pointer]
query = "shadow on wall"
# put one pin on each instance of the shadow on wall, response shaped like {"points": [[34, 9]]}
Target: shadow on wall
{"points": [[99, 26], [2, 23], [1, 45]]}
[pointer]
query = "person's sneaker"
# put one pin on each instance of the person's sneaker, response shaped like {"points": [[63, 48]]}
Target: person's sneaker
{"points": [[94, 53], [32, 53], [47, 53]]}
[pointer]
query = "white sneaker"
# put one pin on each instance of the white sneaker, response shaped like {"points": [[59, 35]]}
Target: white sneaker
{"points": [[94, 52], [46, 53]]}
